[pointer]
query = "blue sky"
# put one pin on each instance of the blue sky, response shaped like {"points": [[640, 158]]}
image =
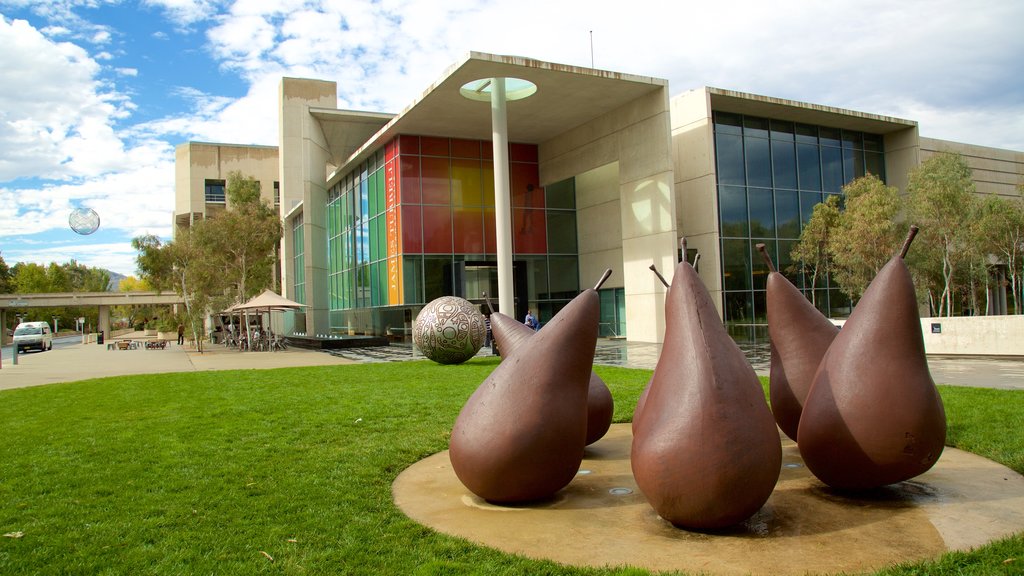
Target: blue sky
{"points": [[98, 92]]}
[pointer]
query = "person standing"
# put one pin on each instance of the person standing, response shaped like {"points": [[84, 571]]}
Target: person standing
{"points": [[181, 334], [531, 321]]}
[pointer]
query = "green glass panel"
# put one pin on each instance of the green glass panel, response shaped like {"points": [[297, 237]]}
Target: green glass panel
{"points": [[382, 205], [372, 193], [382, 282], [561, 194]]}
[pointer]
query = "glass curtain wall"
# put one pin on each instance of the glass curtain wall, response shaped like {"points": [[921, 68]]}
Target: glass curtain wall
{"points": [[416, 221], [298, 261], [770, 175]]}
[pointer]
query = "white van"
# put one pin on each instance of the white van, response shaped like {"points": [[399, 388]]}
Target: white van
{"points": [[33, 335]]}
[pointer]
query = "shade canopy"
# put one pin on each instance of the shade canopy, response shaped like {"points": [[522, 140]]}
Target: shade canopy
{"points": [[268, 300]]}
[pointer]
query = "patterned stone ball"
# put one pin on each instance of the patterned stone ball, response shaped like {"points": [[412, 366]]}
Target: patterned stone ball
{"points": [[449, 330]]}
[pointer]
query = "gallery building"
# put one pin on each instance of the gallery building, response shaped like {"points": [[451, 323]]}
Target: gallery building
{"points": [[385, 212]]}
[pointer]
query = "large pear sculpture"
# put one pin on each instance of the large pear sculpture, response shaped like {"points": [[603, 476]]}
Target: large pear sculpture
{"points": [[520, 436], [706, 451], [799, 335], [509, 334], [873, 415]]}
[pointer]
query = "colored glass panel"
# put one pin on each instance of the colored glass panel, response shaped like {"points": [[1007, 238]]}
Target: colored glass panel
{"points": [[465, 148], [523, 184], [490, 232], [528, 234], [561, 194], [487, 179], [394, 281], [432, 146], [469, 231], [437, 229], [412, 229], [371, 195], [410, 179], [408, 144], [522, 153], [561, 231], [467, 187], [436, 180]]}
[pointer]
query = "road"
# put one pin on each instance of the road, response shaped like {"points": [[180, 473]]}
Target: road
{"points": [[62, 342]]}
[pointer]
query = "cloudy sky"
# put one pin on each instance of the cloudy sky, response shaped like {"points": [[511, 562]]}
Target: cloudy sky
{"points": [[96, 93]]}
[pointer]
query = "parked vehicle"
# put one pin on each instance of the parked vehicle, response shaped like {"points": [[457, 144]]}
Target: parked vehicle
{"points": [[33, 335]]}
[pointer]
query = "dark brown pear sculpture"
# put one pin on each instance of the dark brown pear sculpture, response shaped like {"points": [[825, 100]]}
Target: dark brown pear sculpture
{"points": [[706, 451], [799, 336], [873, 415], [509, 334], [520, 436]]}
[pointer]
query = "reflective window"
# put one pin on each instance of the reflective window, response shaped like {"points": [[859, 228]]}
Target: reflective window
{"points": [[759, 164], [762, 213], [729, 152], [732, 206], [784, 164], [809, 166], [787, 213]]}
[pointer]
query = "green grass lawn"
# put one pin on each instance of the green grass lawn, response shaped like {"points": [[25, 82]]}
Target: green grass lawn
{"points": [[218, 472]]}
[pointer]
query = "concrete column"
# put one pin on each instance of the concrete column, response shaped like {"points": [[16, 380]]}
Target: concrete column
{"points": [[502, 197], [103, 321]]}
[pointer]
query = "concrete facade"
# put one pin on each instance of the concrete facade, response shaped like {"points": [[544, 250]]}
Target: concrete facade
{"points": [[644, 166]]}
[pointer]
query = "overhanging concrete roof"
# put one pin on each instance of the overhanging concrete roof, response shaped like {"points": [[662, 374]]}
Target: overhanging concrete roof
{"points": [[61, 299], [566, 97], [803, 112]]}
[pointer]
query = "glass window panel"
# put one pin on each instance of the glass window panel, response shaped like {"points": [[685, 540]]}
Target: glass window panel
{"points": [[437, 279], [758, 162], [409, 182], [782, 130], [565, 277], [431, 146], [807, 134], [759, 270], [828, 136], [469, 230], [729, 153], [412, 279], [755, 127], [732, 207], [467, 187], [437, 230], [760, 309], [518, 152], [728, 123], [435, 180], [524, 185], [762, 213], [382, 283], [374, 284], [858, 165], [808, 200], [784, 164], [838, 304], [785, 264], [787, 213], [382, 236], [848, 161], [528, 234], [852, 140], [607, 324], [372, 239], [809, 167], [465, 148], [873, 143], [832, 169], [381, 201], [490, 232], [561, 232], [487, 180], [371, 191], [412, 230], [738, 307], [874, 164], [561, 194], [821, 301], [736, 264]]}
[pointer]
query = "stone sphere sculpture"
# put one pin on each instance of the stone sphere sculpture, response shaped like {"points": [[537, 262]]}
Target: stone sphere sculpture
{"points": [[449, 330]]}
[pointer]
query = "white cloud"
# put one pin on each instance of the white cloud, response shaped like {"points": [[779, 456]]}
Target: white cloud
{"points": [[185, 12], [127, 71]]}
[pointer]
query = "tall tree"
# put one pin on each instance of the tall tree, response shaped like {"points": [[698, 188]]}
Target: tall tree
{"points": [[1000, 227], [245, 236], [941, 200], [811, 253], [866, 234], [6, 279]]}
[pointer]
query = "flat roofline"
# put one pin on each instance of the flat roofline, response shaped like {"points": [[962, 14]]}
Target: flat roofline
{"points": [[725, 100], [227, 145]]}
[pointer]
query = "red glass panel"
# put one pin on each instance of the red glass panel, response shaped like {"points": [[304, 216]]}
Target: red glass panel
{"points": [[408, 144], [437, 230], [528, 231], [466, 185], [488, 181], [412, 231], [469, 231], [465, 148], [436, 180], [490, 232], [522, 152], [390, 149], [487, 150], [409, 183], [524, 184], [431, 146]]}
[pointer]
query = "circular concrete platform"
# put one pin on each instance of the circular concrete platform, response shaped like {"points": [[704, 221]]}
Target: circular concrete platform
{"points": [[602, 519]]}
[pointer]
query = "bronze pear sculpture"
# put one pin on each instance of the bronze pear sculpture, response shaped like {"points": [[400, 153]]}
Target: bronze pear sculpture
{"points": [[706, 452], [873, 415], [509, 334], [799, 335], [520, 437]]}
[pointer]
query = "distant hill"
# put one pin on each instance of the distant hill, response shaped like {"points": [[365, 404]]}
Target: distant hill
{"points": [[115, 280]]}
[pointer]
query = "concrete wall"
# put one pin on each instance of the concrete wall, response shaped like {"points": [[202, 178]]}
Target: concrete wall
{"points": [[994, 170], [975, 335], [635, 138], [304, 154], [196, 162]]}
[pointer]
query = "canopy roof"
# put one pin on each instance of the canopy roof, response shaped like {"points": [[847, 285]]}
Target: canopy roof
{"points": [[268, 300]]}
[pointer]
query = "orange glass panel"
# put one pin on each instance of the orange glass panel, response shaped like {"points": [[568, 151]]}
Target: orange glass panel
{"points": [[412, 231], [431, 146], [466, 184], [487, 150], [528, 231], [391, 149], [395, 281], [469, 230], [524, 184], [522, 152], [490, 232], [435, 178], [487, 177], [437, 230], [409, 184], [465, 148]]}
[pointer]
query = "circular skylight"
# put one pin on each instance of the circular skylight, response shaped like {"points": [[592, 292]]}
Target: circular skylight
{"points": [[515, 89]]}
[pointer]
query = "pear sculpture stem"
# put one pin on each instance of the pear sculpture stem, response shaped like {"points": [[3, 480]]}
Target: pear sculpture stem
{"points": [[764, 254], [911, 234], [658, 274]]}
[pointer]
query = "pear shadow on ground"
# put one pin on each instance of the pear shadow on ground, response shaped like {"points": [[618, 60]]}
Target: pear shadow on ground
{"points": [[601, 518]]}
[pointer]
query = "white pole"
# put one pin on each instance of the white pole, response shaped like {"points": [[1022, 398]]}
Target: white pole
{"points": [[502, 198]]}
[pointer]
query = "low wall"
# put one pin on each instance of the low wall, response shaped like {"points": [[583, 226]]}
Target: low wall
{"points": [[974, 335]]}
